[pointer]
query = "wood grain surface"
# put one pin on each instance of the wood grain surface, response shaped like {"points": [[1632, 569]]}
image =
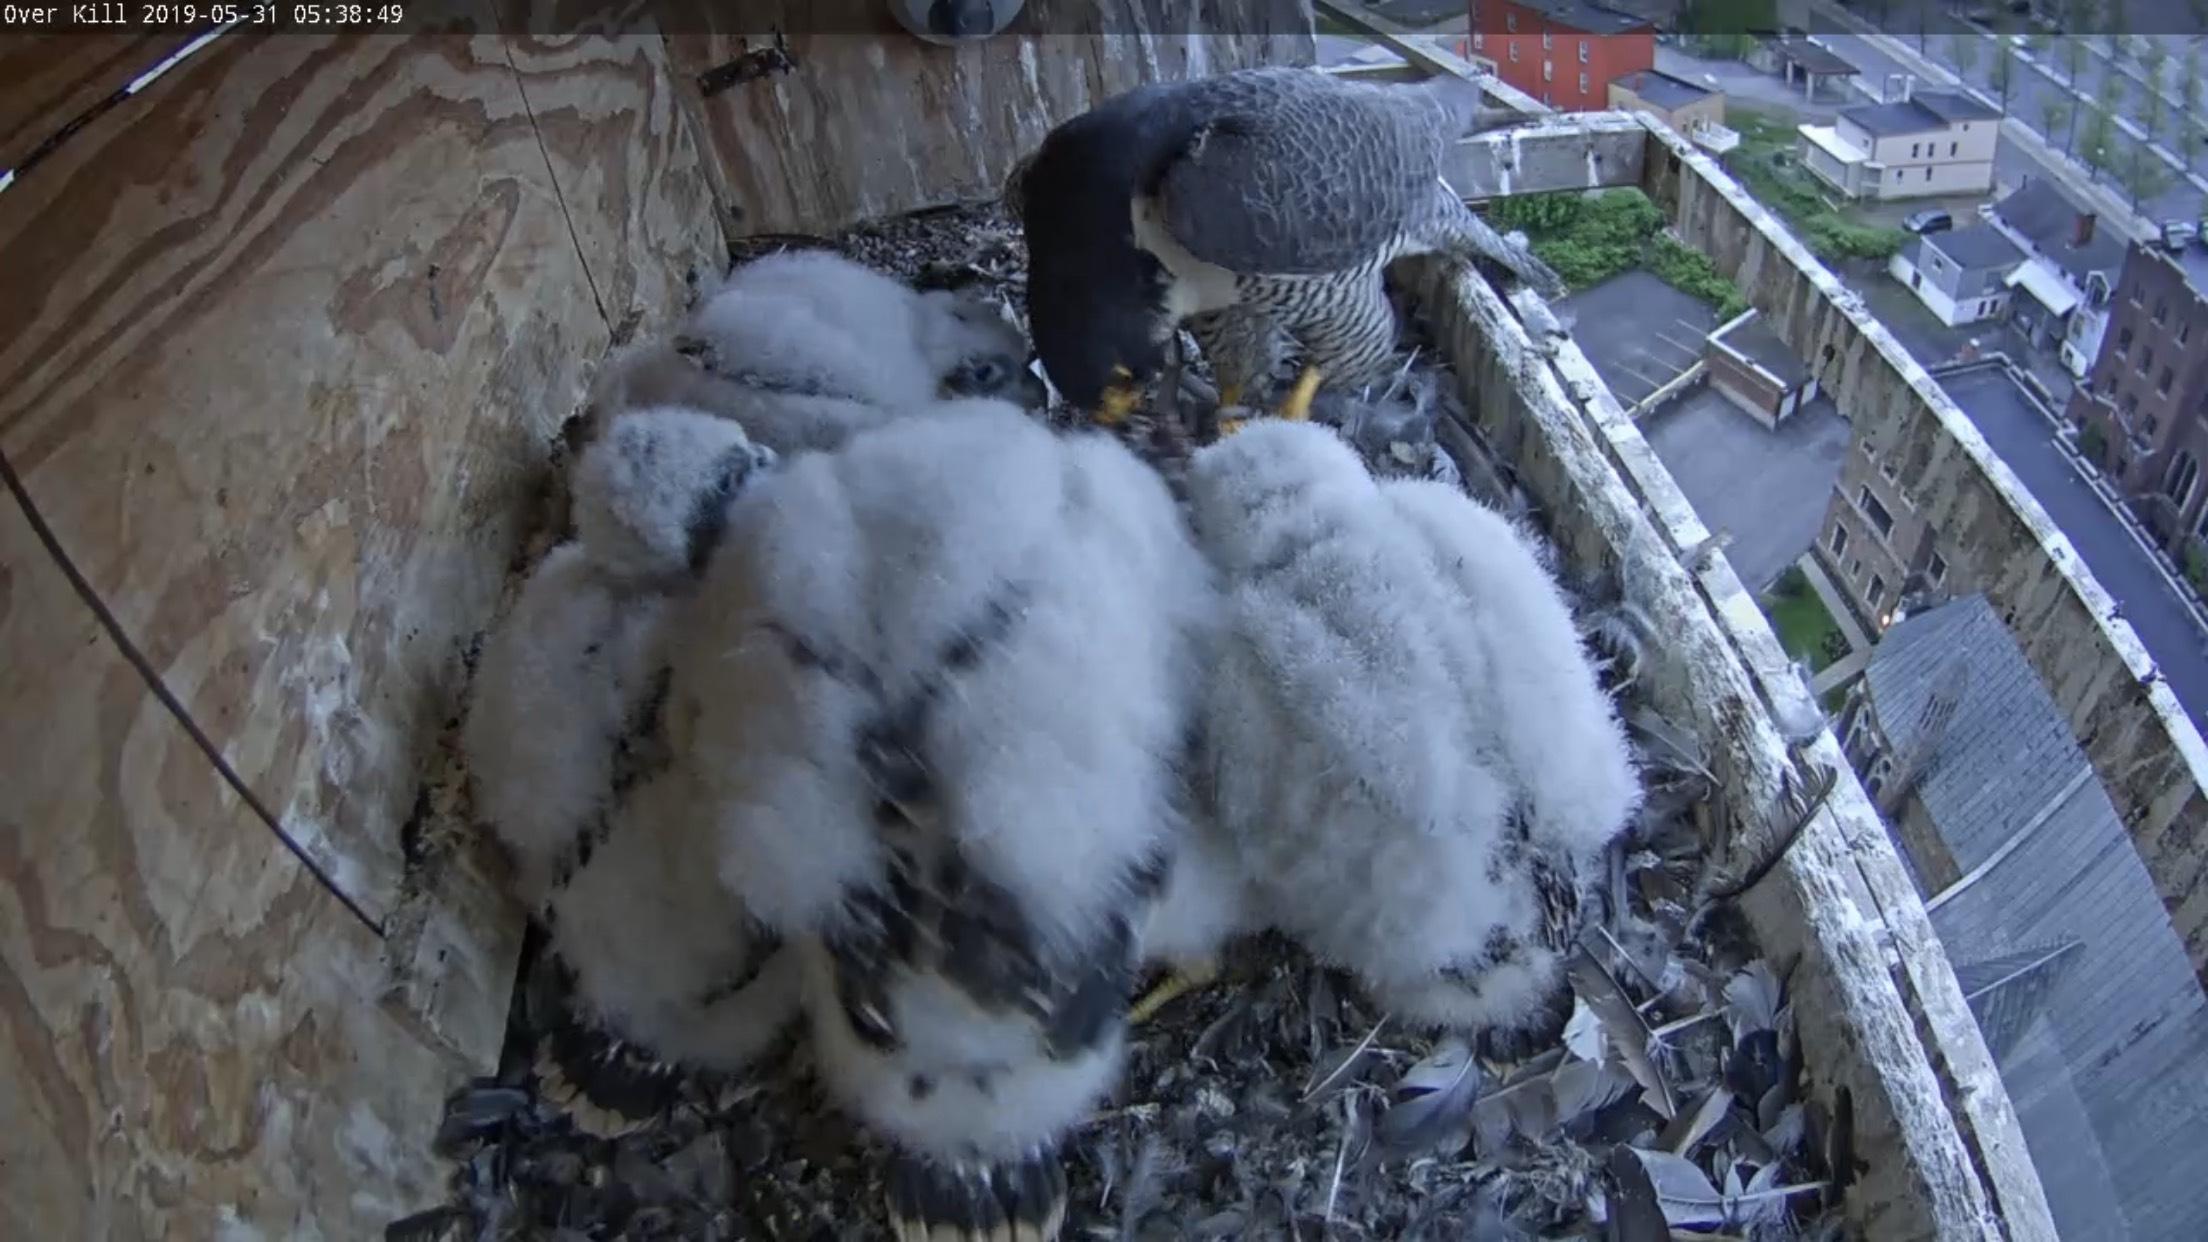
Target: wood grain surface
{"points": [[937, 124], [286, 337], [49, 80], [189, 1039], [287, 340]]}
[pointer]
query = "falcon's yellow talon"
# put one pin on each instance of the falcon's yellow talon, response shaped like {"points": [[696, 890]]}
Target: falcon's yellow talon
{"points": [[1228, 426], [1119, 402], [1187, 977], [1297, 408]]}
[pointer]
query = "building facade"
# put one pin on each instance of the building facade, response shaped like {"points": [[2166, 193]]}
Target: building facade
{"points": [[1926, 144], [2070, 273], [1565, 53], [1756, 371], [1878, 549], [2142, 414]]}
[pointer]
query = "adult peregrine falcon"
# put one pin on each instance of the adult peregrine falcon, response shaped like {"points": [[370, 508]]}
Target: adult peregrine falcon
{"points": [[1282, 190]]}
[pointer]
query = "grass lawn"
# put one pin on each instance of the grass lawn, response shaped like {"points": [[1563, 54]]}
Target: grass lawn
{"points": [[1768, 164], [1801, 620]]}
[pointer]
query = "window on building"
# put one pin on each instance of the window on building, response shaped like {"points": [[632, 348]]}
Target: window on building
{"points": [[1547, 41], [1583, 51], [1855, 568], [2154, 422], [2161, 310], [1954, 148], [1935, 570], [1510, 23], [1479, 41], [2123, 342], [1514, 53], [1875, 593], [2184, 329], [2146, 362], [1928, 174], [2178, 483], [1888, 470], [1897, 174], [2200, 526], [1881, 769], [1913, 149], [2130, 403], [2163, 381], [1839, 539], [1880, 519], [1582, 83]]}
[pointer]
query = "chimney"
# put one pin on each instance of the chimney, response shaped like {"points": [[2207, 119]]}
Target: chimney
{"points": [[2083, 233]]}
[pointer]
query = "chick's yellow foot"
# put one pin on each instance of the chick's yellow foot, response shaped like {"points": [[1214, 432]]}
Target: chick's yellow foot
{"points": [[1297, 406], [1186, 977]]}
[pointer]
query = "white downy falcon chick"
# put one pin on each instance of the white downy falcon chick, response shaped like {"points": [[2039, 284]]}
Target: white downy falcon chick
{"points": [[1407, 742], [806, 347], [649, 494], [612, 848], [940, 684], [1281, 190]]}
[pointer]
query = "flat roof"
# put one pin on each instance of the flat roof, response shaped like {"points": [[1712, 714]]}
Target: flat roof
{"points": [[1923, 113], [1585, 15], [2022, 431], [1754, 340], [1811, 58], [1828, 140], [1662, 89]]}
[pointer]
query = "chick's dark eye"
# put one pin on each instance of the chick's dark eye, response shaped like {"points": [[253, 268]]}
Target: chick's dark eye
{"points": [[985, 375]]}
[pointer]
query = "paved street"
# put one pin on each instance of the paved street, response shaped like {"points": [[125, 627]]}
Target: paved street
{"points": [[2023, 438]]}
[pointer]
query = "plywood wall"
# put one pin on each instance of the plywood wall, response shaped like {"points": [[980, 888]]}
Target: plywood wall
{"points": [[285, 343], [936, 125]]}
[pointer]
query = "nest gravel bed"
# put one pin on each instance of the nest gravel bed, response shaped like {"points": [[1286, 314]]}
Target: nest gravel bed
{"points": [[1664, 1095]]}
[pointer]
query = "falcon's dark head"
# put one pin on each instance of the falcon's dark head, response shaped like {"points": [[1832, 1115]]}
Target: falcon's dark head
{"points": [[1095, 300]]}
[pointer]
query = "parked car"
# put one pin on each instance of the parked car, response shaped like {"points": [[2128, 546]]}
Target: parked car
{"points": [[1930, 220]]}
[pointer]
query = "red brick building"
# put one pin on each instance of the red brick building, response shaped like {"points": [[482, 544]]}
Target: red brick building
{"points": [[1564, 53]]}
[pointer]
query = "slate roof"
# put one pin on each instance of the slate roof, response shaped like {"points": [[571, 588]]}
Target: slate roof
{"points": [[1978, 248], [2115, 1100], [1926, 112], [2040, 211], [1662, 89]]}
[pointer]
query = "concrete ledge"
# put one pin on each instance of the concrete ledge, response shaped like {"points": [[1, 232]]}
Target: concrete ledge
{"points": [[1430, 54], [1882, 1017], [1583, 151], [2138, 738]]}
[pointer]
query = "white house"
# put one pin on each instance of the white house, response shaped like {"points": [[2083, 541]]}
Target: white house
{"points": [[1962, 276], [1928, 143]]}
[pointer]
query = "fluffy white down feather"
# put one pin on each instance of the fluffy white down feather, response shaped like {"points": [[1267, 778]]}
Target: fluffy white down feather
{"points": [[812, 318], [637, 490], [652, 936], [1057, 746], [1399, 674], [558, 683]]}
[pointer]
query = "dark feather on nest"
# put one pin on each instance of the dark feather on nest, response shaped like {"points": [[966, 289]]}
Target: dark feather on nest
{"points": [[1667, 1095]]}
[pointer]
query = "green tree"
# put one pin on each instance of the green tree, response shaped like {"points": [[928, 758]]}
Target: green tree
{"points": [[2001, 74], [1963, 50], [2038, 42], [2056, 124], [2145, 176], [2093, 144], [2153, 115], [2072, 56], [2153, 58], [2192, 130]]}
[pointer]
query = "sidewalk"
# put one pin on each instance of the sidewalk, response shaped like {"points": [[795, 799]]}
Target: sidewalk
{"points": [[2075, 177]]}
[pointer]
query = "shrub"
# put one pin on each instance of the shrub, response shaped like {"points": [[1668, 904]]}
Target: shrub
{"points": [[1690, 271], [2093, 443], [1791, 584], [1588, 238], [2196, 566]]}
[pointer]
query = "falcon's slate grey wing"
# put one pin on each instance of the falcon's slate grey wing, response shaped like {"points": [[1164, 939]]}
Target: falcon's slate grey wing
{"points": [[1298, 174]]}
